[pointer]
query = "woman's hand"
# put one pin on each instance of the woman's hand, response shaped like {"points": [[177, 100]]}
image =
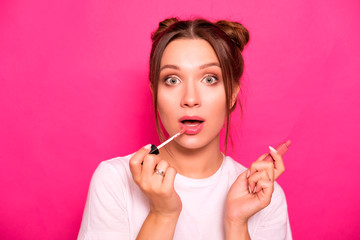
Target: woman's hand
{"points": [[157, 186], [252, 190]]}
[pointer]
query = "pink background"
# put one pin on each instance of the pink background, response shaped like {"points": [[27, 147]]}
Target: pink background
{"points": [[74, 92]]}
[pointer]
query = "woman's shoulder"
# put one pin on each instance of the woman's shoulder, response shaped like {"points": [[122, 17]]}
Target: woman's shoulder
{"points": [[116, 168], [117, 163], [231, 169], [233, 166]]}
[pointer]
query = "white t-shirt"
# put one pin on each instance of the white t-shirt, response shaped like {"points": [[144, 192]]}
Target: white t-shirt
{"points": [[116, 207]]}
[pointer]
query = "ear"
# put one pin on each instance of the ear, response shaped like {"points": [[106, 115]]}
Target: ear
{"points": [[235, 94]]}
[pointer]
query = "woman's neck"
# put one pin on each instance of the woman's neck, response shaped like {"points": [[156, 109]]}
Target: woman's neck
{"points": [[193, 163]]}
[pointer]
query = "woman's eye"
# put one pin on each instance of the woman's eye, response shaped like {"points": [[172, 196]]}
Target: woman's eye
{"points": [[172, 81], [210, 80]]}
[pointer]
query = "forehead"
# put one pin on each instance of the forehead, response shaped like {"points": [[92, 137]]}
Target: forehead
{"points": [[188, 53]]}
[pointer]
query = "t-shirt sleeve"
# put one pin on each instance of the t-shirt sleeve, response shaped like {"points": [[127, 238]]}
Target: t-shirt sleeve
{"points": [[274, 222], [105, 215]]}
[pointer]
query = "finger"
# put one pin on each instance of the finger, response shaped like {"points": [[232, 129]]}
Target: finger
{"points": [[161, 167], [266, 188], [169, 179], [149, 163], [279, 167], [262, 165], [262, 157], [136, 160], [256, 177]]}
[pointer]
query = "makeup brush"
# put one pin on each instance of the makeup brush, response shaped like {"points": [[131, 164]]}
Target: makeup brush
{"points": [[155, 149]]}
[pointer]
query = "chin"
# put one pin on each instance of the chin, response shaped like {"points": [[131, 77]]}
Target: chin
{"points": [[195, 141]]}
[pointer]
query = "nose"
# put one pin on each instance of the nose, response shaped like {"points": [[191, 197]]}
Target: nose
{"points": [[190, 97]]}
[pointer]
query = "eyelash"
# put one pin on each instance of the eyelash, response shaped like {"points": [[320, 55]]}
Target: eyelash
{"points": [[212, 76], [168, 78]]}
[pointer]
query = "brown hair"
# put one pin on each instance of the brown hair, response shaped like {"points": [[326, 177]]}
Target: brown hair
{"points": [[228, 40]]}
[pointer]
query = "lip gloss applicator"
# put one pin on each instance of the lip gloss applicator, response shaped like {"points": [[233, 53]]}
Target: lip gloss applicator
{"points": [[155, 149]]}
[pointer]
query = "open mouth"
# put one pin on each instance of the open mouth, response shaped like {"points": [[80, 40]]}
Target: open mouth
{"points": [[192, 124]]}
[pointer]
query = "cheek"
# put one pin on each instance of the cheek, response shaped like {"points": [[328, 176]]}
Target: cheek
{"points": [[218, 101], [221, 113], [165, 105], [217, 109], [163, 99]]}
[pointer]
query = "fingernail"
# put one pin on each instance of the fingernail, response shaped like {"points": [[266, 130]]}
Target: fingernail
{"points": [[147, 147], [249, 189], [272, 149], [248, 173], [254, 189]]}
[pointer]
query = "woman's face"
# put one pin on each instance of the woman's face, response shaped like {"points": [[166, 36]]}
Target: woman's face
{"points": [[191, 92]]}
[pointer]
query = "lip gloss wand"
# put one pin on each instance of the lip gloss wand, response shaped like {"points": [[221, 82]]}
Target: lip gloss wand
{"points": [[155, 149]]}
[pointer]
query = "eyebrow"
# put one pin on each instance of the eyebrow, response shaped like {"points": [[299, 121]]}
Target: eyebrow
{"points": [[209, 65], [206, 65]]}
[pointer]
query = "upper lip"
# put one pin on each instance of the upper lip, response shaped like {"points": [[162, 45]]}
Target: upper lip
{"points": [[197, 118]]}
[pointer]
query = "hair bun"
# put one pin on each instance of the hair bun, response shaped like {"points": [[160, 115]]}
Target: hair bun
{"points": [[236, 32], [163, 25]]}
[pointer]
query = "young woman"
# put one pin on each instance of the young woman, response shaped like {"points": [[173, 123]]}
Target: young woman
{"points": [[190, 190]]}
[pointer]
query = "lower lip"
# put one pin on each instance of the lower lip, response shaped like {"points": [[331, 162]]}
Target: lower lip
{"points": [[191, 130]]}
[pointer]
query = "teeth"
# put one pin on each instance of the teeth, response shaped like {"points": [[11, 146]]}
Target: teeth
{"points": [[192, 125]]}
